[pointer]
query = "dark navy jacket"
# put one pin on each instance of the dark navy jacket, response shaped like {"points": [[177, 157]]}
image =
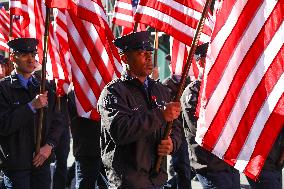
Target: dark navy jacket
{"points": [[18, 122], [132, 125]]}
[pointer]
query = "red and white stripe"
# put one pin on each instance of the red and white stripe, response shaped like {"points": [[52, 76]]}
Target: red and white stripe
{"points": [[242, 95], [33, 12], [123, 16], [3, 43], [179, 54], [5, 25], [5, 29], [61, 40], [178, 18], [123, 13], [94, 61]]}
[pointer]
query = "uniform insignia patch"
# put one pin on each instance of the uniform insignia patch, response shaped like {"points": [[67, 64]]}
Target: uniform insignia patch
{"points": [[110, 99]]}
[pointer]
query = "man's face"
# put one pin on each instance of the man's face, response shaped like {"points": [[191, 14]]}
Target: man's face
{"points": [[139, 62], [24, 62]]}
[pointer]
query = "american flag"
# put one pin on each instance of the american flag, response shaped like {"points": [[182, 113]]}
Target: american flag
{"points": [[179, 53], [178, 18], [179, 50], [124, 11], [93, 57], [242, 95], [61, 40], [33, 13], [4, 32], [5, 29]]}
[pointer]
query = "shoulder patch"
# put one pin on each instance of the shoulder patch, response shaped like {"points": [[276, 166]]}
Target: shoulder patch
{"points": [[109, 100]]}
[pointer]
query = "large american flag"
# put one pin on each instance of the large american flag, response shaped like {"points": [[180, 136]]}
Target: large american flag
{"points": [[33, 13], [94, 59], [178, 18], [242, 107], [123, 15]]}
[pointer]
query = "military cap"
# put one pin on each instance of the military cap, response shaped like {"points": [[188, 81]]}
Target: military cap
{"points": [[23, 45], [134, 41], [201, 50]]}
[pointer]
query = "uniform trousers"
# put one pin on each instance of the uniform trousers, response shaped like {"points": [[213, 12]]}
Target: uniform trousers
{"points": [[181, 165], [61, 153], [87, 172], [28, 179], [219, 180]]}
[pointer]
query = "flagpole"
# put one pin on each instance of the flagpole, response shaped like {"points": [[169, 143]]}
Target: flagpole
{"points": [[156, 46], [184, 75], [43, 78], [112, 28], [10, 66], [135, 27]]}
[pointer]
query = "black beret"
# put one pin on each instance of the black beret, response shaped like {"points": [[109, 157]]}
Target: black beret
{"points": [[134, 41], [23, 45], [201, 50]]}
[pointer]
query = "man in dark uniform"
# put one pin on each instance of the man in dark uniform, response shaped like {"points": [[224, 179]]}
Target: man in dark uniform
{"points": [[212, 172], [86, 148], [180, 159], [134, 111], [19, 104]]}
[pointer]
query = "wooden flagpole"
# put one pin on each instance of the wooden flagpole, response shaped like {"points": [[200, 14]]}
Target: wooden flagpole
{"points": [[156, 46], [112, 28], [43, 78], [184, 75], [135, 27]]}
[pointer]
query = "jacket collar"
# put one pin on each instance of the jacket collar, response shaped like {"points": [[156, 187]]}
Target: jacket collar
{"points": [[15, 82], [135, 81], [176, 79]]}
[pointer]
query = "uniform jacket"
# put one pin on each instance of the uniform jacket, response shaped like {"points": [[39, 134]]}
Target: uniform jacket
{"points": [[201, 159], [132, 125], [18, 122], [172, 83], [85, 132]]}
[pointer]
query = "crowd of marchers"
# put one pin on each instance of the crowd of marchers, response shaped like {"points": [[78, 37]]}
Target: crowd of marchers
{"points": [[120, 150]]}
